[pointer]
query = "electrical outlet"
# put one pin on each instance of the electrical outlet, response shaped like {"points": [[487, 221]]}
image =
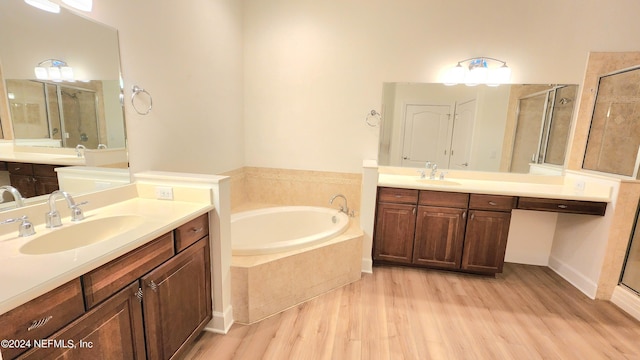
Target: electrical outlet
{"points": [[164, 193], [579, 185]]}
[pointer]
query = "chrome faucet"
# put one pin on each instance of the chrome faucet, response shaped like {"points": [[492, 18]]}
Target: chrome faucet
{"points": [[53, 216], [17, 197], [345, 208], [434, 169], [26, 227], [78, 148]]}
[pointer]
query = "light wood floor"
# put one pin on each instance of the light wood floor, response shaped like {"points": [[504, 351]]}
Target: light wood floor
{"points": [[527, 312]]}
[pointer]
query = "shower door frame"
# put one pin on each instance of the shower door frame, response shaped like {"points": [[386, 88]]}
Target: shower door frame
{"points": [[626, 256], [543, 136]]}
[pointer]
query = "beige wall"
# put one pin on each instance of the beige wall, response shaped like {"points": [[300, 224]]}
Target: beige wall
{"points": [[313, 69], [288, 83], [188, 55]]}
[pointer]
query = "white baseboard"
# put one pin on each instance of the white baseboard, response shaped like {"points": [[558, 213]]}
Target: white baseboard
{"points": [[221, 322], [573, 276], [626, 300], [367, 265]]}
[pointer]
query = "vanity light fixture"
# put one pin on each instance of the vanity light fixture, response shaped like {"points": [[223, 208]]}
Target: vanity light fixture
{"points": [[58, 71], [82, 5], [477, 71], [54, 7], [45, 5]]}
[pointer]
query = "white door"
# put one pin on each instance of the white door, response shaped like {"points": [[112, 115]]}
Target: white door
{"points": [[462, 135], [427, 134]]}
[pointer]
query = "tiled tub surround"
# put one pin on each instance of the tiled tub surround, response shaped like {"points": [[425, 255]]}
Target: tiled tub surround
{"points": [[263, 285], [252, 185]]}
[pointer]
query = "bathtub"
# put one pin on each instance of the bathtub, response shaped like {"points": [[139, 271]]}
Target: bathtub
{"points": [[284, 228]]}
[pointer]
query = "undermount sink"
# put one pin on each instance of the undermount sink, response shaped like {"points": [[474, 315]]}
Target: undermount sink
{"points": [[438, 182], [75, 235]]}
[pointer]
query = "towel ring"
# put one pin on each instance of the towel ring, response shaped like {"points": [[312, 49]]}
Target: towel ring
{"points": [[135, 91], [375, 116]]}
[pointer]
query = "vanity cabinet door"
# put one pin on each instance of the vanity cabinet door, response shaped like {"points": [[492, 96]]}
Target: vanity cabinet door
{"points": [[45, 185], [177, 301], [24, 184], [112, 330], [394, 232], [439, 237], [485, 241]]}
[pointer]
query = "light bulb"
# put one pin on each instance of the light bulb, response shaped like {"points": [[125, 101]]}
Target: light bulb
{"points": [[45, 5]]}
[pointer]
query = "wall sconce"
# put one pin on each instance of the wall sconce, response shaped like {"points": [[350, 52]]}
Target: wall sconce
{"points": [[82, 5], [477, 71], [45, 5], [58, 71], [54, 7]]}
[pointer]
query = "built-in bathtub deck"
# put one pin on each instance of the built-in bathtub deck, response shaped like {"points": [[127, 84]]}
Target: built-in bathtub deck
{"points": [[264, 285]]}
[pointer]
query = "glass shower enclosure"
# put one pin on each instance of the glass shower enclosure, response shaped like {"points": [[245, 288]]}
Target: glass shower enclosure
{"points": [[630, 277]]}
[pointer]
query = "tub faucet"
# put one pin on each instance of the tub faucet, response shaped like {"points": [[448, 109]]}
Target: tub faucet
{"points": [[17, 197], [53, 216], [345, 208], [78, 148]]}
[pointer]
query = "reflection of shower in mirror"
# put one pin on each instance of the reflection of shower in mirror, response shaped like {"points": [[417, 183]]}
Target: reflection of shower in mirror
{"points": [[564, 101]]}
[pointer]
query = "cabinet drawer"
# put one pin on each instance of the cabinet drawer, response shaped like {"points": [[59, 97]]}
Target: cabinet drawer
{"points": [[106, 280], [42, 316], [20, 168], [44, 170], [393, 195], [114, 330], [492, 202], [191, 232], [563, 206], [444, 199]]}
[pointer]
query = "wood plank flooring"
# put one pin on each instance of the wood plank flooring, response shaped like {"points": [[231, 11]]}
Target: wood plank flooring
{"points": [[528, 312]]}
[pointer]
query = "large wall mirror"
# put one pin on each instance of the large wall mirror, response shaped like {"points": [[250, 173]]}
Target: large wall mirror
{"points": [[509, 128], [85, 109]]}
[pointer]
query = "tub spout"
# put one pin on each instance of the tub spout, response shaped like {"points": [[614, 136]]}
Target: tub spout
{"points": [[345, 208]]}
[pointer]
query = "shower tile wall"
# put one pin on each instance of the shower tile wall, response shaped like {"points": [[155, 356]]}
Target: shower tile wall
{"points": [[621, 227]]}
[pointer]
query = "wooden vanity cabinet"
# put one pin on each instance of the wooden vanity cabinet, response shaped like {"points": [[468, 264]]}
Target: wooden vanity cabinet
{"points": [[487, 231], [395, 225], [41, 317], [444, 230], [112, 330], [563, 206], [177, 301], [440, 229], [33, 179], [146, 304]]}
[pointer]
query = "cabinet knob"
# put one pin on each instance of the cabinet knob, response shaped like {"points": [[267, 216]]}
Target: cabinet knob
{"points": [[139, 294], [493, 203], [464, 215], [561, 206], [153, 286], [197, 230]]}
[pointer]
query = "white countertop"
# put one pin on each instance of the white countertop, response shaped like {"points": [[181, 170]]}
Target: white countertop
{"points": [[25, 277], [42, 158], [591, 192]]}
